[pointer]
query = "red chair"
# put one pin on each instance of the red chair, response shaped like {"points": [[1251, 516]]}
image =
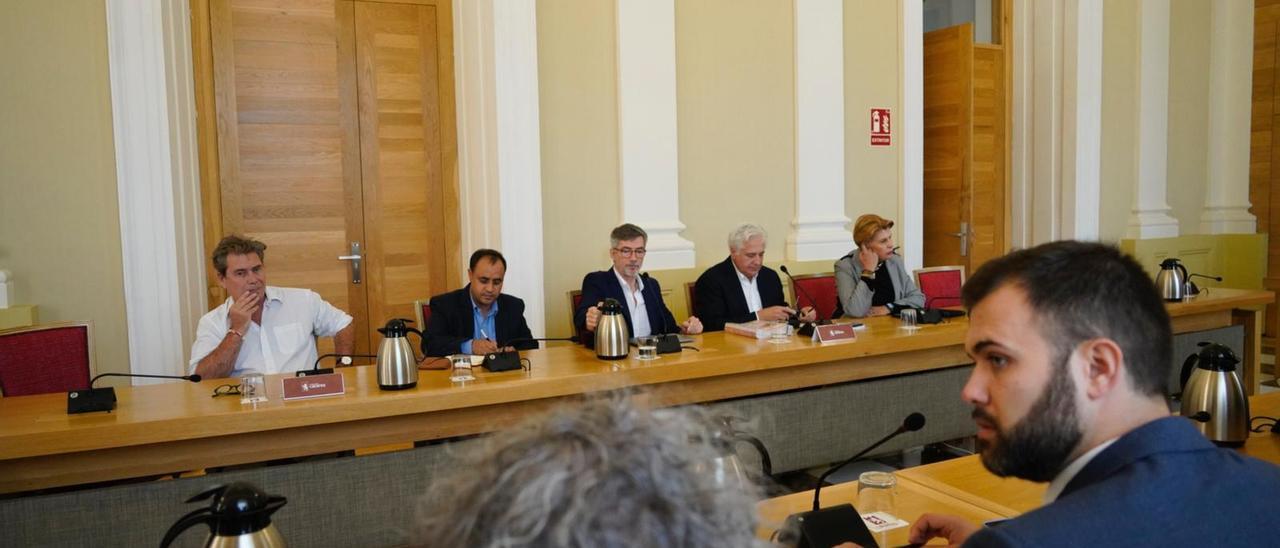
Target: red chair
{"points": [[822, 287], [422, 309], [46, 359], [940, 285]]}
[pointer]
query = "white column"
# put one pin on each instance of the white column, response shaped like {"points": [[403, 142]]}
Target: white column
{"points": [[1226, 201], [1150, 217], [819, 228], [1081, 118], [647, 149], [153, 117], [911, 122], [499, 141]]}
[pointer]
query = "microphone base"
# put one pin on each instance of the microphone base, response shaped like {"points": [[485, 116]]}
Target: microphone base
{"points": [[826, 527], [502, 361], [310, 372], [669, 344], [91, 400]]}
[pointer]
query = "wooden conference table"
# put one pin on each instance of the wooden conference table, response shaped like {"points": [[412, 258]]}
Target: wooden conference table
{"points": [[166, 428]]}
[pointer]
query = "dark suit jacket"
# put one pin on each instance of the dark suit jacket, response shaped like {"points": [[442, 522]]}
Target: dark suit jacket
{"points": [[452, 323], [720, 297], [1162, 484], [598, 286]]}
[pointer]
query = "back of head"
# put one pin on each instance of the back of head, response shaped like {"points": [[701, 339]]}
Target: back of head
{"points": [[601, 474], [1082, 291]]}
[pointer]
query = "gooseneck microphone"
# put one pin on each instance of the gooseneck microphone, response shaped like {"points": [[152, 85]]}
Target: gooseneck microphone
{"points": [[668, 340], [840, 523], [343, 359], [821, 320], [104, 399]]}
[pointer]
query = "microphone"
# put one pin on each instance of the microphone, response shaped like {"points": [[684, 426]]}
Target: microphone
{"points": [[508, 360], [807, 327], [104, 399], [343, 359], [841, 523]]}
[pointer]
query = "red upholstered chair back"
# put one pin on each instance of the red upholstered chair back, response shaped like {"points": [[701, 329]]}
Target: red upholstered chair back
{"points": [[45, 359], [819, 286], [422, 309], [575, 298], [940, 285]]}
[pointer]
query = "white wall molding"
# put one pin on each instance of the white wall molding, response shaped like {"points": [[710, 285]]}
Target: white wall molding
{"points": [[153, 115], [1226, 203], [911, 122], [1151, 215], [499, 142], [819, 230], [1057, 94], [647, 137]]}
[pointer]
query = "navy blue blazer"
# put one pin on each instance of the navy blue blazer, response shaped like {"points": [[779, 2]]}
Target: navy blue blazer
{"points": [[720, 297], [452, 323], [598, 286], [1162, 484]]}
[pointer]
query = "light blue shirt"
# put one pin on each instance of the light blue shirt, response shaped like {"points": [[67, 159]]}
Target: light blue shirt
{"points": [[483, 326]]}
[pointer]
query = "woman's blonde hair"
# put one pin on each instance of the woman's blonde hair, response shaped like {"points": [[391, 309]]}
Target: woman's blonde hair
{"points": [[867, 226]]}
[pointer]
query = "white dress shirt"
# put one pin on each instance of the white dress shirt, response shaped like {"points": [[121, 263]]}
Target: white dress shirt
{"points": [[286, 341], [1069, 473], [750, 290], [635, 301]]}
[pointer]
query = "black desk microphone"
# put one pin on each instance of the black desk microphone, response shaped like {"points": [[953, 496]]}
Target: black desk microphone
{"points": [[840, 523], [104, 399], [508, 360]]}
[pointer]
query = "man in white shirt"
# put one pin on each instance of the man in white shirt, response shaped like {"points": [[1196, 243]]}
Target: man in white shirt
{"points": [[262, 328], [741, 289], [1068, 387], [639, 295]]}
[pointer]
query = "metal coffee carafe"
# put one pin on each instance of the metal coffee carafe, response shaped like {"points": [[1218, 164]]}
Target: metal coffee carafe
{"points": [[397, 365], [612, 335], [1213, 396], [726, 468], [1171, 280], [238, 516]]}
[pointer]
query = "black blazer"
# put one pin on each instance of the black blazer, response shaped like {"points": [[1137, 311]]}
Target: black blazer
{"points": [[598, 286], [452, 323], [720, 297]]}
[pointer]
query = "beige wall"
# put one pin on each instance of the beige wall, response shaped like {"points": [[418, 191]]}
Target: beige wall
{"points": [[736, 124], [1118, 163], [59, 222]]}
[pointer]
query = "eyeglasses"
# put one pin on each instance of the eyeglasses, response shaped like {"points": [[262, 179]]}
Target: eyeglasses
{"points": [[627, 251], [226, 390]]}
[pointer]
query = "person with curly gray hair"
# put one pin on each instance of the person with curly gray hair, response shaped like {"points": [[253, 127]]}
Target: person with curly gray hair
{"points": [[605, 473]]}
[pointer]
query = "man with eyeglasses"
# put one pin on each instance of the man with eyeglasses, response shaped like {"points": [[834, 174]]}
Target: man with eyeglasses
{"points": [[741, 289], [639, 295]]}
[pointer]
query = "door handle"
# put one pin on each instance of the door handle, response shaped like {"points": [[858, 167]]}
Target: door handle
{"points": [[355, 257], [964, 238]]}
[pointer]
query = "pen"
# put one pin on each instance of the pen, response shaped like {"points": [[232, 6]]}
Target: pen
{"points": [[483, 335]]}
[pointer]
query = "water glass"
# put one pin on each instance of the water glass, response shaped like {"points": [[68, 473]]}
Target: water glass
{"points": [[876, 494], [253, 387], [648, 347], [461, 371], [781, 332], [908, 317]]}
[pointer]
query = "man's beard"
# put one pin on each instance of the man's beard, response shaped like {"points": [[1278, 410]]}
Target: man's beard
{"points": [[1037, 448]]}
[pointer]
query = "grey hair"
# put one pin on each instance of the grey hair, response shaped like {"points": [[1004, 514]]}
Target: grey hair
{"points": [[605, 473], [743, 233], [626, 232]]}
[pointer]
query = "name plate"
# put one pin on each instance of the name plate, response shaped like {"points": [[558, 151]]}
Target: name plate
{"points": [[835, 332], [315, 386]]}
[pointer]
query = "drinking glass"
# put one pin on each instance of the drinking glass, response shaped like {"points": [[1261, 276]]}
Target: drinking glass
{"points": [[781, 332], [648, 347], [908, 317], [253, 387], [461, 371], [876, 494]]}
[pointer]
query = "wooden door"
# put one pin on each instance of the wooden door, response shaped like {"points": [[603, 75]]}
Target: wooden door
{"points": [[404, 66], [335, 127], [964, 149], [1264, 150]]}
